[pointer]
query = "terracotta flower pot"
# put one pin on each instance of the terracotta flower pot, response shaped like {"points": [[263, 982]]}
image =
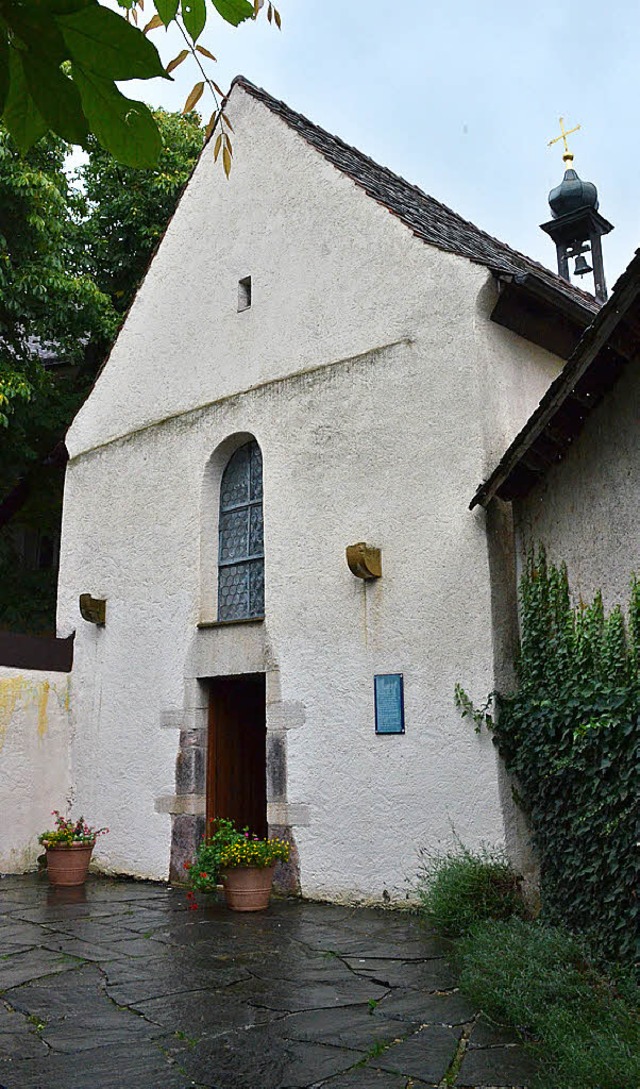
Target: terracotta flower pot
{"points": [[247, 888], [67, 864]]}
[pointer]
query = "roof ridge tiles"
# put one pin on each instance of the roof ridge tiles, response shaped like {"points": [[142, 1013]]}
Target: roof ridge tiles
{"points": [[430, 219]]}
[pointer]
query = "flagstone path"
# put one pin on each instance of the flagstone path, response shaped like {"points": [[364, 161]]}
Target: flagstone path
{"points": [[119, 985]]}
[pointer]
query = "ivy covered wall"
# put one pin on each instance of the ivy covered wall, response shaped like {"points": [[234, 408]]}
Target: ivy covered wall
{"points": [[569, 735]]}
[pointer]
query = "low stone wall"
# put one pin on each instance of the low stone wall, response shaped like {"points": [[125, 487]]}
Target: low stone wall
{"points": [[34, 760]]}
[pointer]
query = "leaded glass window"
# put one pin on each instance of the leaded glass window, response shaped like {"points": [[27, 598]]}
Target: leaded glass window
{"points": [[241, 537]]}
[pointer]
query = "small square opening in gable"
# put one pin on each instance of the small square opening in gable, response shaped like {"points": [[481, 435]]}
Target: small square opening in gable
{"points": [[244, 293]]}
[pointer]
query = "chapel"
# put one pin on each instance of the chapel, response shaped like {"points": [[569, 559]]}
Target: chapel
{"points": [[298, 497]]}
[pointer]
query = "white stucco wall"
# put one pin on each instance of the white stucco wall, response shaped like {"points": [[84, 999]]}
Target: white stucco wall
{"points": [[364, 371], [34, 761], [587, 509], [513, 375]]}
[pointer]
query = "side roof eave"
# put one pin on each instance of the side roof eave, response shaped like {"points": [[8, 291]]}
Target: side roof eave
{"points": [[611, 341]]}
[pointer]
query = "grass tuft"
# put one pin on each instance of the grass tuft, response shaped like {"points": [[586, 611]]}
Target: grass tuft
{"points": [[458, 888], [540, 980], [579, 1019]]}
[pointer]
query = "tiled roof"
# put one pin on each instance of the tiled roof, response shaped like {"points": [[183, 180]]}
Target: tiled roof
{"points": [[425, 216]]}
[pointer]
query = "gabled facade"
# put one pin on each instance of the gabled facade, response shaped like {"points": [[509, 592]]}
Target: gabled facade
{"points": [[321, 350]]}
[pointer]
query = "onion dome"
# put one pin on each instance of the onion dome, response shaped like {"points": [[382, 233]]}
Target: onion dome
{"points": [[572, 195]]}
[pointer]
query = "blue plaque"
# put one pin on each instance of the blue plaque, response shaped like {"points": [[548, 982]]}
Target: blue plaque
{"points": [[389, 700]]}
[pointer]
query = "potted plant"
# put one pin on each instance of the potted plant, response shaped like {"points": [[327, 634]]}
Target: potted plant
{"points": [[241, 862], [69, 846]]}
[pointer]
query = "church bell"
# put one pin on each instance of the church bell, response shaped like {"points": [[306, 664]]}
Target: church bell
{"points": [[576, 225], [582, 267]]}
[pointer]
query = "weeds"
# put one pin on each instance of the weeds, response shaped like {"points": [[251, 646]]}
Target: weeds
{"points": [[458, 888], [578, 1018], [540, 979]]}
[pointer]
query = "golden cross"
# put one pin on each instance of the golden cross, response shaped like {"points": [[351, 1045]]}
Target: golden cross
{"points": [[567, 157]]}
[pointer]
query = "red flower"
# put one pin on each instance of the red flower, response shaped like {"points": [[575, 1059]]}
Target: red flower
{"points": [[186, 865]]}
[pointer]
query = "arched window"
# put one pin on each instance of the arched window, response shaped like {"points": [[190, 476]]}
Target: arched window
{"points": [[241, 537]]}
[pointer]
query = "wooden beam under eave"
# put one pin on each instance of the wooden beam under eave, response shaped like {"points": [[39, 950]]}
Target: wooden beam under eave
{"points": [[559, 439], [537, 460], [625, 342], [553, 325], [518, 484], [586, 400], [550, 450], [602, 375]]}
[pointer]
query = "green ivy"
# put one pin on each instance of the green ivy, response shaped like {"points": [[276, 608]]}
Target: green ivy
{"points": [[569, 735]]}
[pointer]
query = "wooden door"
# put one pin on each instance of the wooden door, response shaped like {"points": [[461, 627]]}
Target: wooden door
{"points": [[236, 760]]}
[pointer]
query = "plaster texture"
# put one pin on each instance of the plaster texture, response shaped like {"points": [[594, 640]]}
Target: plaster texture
{"points": [[587, 509], [368, 371], [513, 375], [34, 758]]}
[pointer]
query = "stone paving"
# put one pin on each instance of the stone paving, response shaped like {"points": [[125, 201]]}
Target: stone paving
{"points": [[118, 984]]}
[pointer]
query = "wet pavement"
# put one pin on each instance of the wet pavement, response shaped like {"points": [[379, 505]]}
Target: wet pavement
{"points": [[118, 984]]}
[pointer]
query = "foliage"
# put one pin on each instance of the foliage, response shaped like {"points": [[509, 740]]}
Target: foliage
{"points": [[578, 1019], [71, 258], [225, 848], [47, 301], [458, 887], [60, 60], [68, 831], [52, 316], [27, 594], [540, 980], [569, 735], [126, 210]]}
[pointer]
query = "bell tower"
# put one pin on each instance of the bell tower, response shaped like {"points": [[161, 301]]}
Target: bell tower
{"points": [[577, 226]]}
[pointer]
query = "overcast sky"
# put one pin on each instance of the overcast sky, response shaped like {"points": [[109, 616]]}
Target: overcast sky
{"points": [[460, 98]]}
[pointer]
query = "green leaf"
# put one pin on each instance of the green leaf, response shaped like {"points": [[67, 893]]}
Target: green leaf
{"points": [[67, 7], [36, 29], [234, 11], [4, 69], [102, 42], [57, 99], [21, 115], [194, 15], [167, 10], [124, 127]]}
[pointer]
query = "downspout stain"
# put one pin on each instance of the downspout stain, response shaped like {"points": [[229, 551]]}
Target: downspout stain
{"points": [[43, 700], [11, 689]]}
